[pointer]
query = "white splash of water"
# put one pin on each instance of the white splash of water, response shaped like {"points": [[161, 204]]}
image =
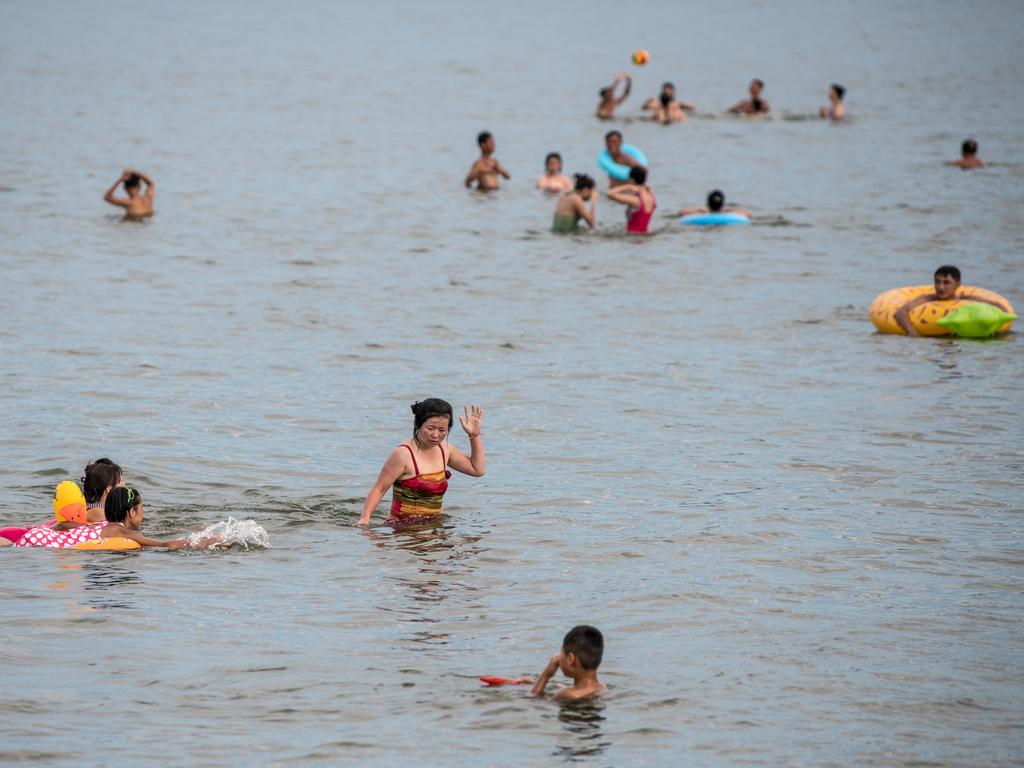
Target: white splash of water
{"points": [[245, 533]]}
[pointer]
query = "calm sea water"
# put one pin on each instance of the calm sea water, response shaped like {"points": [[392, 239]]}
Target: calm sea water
{"points": [[801, 539]]}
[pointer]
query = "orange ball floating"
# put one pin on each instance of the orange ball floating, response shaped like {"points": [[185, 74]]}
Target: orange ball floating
{"points": [[641, 57]]}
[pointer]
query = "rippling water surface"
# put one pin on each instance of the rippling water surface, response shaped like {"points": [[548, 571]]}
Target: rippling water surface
{"points": [[801, 539]]}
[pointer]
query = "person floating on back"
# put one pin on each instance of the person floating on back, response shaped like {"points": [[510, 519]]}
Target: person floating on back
{"points": [[665, 107], [582, 649], [139, 204], [836, 110], [969, 156], [755, 105], [638, 199], [947, 287], [486, 169], [606, 109], [716, 204], [553, 179], [571, 206]]}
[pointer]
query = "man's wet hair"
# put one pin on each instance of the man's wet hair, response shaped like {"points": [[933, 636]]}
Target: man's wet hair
{"points": [[612, 133], [840, 91], [948, 270], [969, 147], [132, 181], [716, 199], [555, 155], [760, 83], [582, 182], [587, 643], [638, 174], [482, 137]]}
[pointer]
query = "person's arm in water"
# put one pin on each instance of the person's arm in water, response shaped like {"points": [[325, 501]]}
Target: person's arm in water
{"points": [[119, 531], [393, 469], [693, 211], [474, 173], [581, 208], [546, 675], [109, 196], [688, 105], [627, 194], [475, 464], [740, 106], [902, 315]]}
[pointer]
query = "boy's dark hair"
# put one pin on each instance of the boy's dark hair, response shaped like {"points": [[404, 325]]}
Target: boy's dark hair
{"points": [[716, 199], [604, 92], [950, 270], [760, 82], [428, 409], [969, 147], [638, 174], [583, 181], [840, 91], [612, 133], [587, 643], [99, 475], [667, 84], [482, 137], [550, 155], [132, 181], [120, 502]]}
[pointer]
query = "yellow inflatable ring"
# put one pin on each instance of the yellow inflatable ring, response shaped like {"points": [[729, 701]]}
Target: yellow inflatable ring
{"points": [[923, 317], [113, 544]]}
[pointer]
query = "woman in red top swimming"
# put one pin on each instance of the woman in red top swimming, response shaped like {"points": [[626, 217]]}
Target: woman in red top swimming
{"points": [[638, 197], [417, 470]]}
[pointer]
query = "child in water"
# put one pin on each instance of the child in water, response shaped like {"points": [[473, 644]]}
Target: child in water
{"points": [[138, 205], [571, 206], [836, 109], [553, 179], [124, 513], [716, 203], [485, 171], [416, 495], [582, 649], [638, 199], [969, 156]]}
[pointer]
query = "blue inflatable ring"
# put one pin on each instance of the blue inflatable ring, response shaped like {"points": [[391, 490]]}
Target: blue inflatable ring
{"points": [[616, 171], [708, 219]]}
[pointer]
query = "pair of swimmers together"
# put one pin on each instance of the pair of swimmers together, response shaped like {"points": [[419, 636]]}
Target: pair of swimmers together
{"points": [[102, 508]]}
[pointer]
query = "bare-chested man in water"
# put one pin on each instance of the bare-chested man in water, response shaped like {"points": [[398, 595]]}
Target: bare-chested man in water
{"points": [[969, 159], [606, 109], [755, 105], [486, 170], [138, 205], [665, 107]]}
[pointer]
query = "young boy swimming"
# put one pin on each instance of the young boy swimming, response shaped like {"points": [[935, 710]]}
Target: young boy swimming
{"points": [[486, 169], [571, 206], [138, 205], [582, 649], [969, 156], [553, 179]]}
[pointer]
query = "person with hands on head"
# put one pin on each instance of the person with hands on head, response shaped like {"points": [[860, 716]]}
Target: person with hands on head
{"points": [[582, 649], [138, 204], [606, 109], [417, 470]]}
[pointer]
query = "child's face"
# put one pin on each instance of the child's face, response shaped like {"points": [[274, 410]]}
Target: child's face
{"points": [[134, 520]]}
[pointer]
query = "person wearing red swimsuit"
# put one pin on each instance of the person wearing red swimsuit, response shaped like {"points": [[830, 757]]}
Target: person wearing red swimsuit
{"points": [[417, 470], [638, 198]]}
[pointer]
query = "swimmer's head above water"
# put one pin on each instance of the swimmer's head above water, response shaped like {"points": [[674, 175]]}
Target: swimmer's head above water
{"points": [[486, 141], [584, 185], [584, 645], [101, 477], [838, 91], [716, 199], [947, 280], [969, 147], [553, 163], [638, 174], [432, 420], [613, 141], [124, 506], [668, 89], [132, 183], [756, 86]]}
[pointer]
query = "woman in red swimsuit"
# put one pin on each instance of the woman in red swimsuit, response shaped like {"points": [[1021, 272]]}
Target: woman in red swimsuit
{"points": [[417, 470], [638, 197]]}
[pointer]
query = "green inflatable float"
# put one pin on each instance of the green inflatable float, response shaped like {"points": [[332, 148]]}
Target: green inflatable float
{"points": [[975, 320]]}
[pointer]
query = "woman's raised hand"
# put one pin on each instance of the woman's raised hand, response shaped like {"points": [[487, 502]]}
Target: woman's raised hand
{"points": [[472, 419]]}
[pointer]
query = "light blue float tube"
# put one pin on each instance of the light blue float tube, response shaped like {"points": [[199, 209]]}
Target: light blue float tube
{"points": [[708, 219], [616, 171]]}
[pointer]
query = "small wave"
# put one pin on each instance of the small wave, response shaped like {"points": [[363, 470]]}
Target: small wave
{"points": [[245, 533]]}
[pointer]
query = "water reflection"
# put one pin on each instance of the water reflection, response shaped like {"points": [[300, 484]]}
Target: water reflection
{"points": [[581, 737], [110, 582], [444, 560]]}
